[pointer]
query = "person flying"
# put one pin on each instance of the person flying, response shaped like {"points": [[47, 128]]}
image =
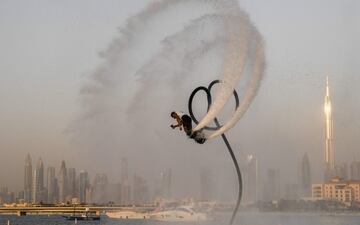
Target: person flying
{"points": [[184, 121]]}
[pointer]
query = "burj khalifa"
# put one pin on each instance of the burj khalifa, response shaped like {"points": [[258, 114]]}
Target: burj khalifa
{"points": [[329, 146]]}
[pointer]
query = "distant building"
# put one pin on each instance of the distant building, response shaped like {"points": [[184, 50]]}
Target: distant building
{"points": [[305, 177], [251, 180], [28, 179], [38, 191], [157, 190], [71, 183], [272, 185], [337, 189], [20, 197], [3, 195], [166, 182], [88, 195], [355, 170], [83, 186], [62, 183], [140, 191], [99, 189], [51, 185], [113, 192], [329, 145], [6, 196]]}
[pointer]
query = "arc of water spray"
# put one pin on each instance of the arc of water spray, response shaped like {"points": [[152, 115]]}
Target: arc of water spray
{"points": [[250, 93], [243, 47], [240, 51]]}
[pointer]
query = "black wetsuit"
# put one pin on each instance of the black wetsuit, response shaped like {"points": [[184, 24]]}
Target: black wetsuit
{"points": [[187, 124], [186, 120]]}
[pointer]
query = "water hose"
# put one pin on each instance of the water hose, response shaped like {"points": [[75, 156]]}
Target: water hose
{"points": [[217, 126]]}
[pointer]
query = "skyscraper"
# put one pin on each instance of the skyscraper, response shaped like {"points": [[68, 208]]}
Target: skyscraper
{"points": [[329, 146], [6, 196], [83, 186], [71, 183], [251, 179], [272, 186], [51, 185], [140, 190], [166, 183], [99, 189], [38, 183], [305, 177], [27, 179], [62, 183]]}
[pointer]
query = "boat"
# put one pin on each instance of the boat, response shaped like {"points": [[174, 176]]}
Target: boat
{"points": [[82, 217], [179, 214], [127, 215], [87, 215]]}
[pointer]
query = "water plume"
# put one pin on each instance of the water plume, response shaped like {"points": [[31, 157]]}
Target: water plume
{"points": [[149, 70]]}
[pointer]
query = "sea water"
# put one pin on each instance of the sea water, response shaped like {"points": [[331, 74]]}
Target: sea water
{"points": [[242, 219]]}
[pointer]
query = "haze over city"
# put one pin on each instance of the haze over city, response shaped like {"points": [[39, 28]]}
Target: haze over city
{"points": [[52, 106]]}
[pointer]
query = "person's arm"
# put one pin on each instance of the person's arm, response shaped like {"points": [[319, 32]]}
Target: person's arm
{"points": [[179, 124], [175, 126]]}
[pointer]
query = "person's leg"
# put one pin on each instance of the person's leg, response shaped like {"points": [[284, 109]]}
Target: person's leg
{"points": [[199, 137], [200, 140]]}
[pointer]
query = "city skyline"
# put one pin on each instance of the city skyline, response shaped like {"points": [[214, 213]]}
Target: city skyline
{"points": [[69, 187], [35, 181]]}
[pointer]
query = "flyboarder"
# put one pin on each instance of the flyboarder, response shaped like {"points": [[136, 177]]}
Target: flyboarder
{"points": [[184, 121]]}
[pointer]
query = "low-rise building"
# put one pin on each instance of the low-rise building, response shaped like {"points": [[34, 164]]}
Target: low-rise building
{"points": [[337, 189]]}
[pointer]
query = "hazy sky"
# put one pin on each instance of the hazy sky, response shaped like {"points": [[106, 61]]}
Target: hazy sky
{"points": [[48, 49]]}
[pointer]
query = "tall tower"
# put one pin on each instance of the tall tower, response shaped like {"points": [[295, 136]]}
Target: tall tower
{"points": [[166, 183], [28, 179], [99, 189], [140, 191], [62, 183], [38, 183], [71, 183], [83, 185], [272, 186], [250, 194], [51, 184], [329, 146]]}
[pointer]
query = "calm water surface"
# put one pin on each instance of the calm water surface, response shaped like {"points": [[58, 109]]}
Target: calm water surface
{"points": [[242, 219]]}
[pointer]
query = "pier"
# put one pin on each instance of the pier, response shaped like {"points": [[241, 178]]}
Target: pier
{"points": [[68, 210]]}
